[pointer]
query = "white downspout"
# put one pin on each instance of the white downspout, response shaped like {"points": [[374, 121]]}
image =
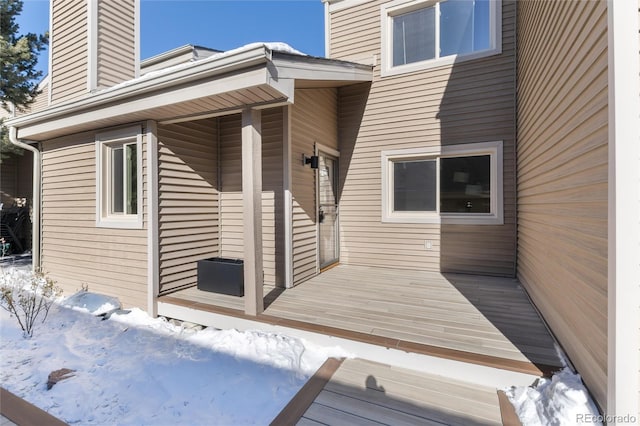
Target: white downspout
{"points": [[35, 233]]}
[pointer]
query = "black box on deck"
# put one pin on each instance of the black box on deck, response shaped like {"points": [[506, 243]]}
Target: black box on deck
{"points": [[221, 275]]}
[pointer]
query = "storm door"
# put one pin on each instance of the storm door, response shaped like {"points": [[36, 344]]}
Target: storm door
{"points": [[328, 209]]}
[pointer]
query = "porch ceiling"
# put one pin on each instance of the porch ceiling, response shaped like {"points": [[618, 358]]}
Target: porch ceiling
{"points": [[253, 78]]}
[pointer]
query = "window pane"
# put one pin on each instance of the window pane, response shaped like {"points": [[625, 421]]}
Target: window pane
{"points": [[132, 179], [464, 26], [465, 184], [414, 186], [414, 36], [116, 181]]}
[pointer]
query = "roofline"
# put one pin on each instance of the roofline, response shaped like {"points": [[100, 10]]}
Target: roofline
{"points": [[321, 60], [152, 82], [227, 72], [160, 57]]}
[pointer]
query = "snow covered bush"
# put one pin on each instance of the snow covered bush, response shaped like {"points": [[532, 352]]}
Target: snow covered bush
{"points": [[27, 295]]}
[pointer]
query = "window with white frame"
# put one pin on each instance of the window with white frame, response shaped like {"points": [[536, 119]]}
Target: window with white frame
{"points": [[458, 184], [419, 34], [119, 178]]}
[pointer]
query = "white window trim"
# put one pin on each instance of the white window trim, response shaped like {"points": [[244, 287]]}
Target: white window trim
{"points": [[117, 137], [494, 149], [398, 7]]}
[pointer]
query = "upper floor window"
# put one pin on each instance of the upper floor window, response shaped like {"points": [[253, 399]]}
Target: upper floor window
{"points": [[119, 178], [419, 34]]}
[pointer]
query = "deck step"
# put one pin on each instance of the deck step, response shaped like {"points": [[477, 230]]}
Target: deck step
{"points": [[358, 391]]}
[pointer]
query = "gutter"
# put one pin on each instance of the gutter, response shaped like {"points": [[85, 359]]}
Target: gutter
{"points": [[37, 175]]}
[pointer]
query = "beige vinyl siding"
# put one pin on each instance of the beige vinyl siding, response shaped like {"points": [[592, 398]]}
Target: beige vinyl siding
{"points": [[467, 102], [313, 119], [75, 252], [116, 42], [231, 221], [68, 50], [562, 176], [189, 200], [40, 102]]}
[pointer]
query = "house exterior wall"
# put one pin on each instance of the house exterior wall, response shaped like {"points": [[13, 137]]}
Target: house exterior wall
{"points": [[313, 119], [188, 214], [93, 46], [69, 49], [40, 102], [74, 251], [9, 180], [466, 102], [16, 178], [231, 222], [116, 44], [24, 184], [562, 175]]}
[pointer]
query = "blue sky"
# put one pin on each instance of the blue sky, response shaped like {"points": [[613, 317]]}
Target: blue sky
{"points": [[224, 25]]}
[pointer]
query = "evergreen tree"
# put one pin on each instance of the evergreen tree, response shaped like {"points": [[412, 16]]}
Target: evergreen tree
{"points": [[18, 58]]}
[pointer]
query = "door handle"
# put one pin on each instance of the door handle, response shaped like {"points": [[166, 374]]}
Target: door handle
{"points": [[320, 216]]}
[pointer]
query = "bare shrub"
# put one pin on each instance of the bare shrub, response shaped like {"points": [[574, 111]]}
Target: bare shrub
{"points": [[27, 295]]}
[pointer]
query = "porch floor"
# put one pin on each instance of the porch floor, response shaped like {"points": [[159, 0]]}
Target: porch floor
{"points": [[479, 319]]}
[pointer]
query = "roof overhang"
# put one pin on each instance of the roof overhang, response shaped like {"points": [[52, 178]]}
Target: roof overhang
{"points": [[249, 78]]}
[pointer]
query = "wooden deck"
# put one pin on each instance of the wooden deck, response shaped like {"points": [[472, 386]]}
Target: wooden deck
{"points": [[360, 392], [471, 318]]}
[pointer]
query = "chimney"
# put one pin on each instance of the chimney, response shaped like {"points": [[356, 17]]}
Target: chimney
{"points": [[94, 44]]}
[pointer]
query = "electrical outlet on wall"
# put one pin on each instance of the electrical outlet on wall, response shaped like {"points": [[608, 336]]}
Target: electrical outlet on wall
{"points": [[428, 245]]}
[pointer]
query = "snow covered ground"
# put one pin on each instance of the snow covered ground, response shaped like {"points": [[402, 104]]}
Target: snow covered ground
{"points": [[133, 369]]}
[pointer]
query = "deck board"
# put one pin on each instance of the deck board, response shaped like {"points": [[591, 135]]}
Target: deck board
{"points": [[482, 315], [365, 392]]}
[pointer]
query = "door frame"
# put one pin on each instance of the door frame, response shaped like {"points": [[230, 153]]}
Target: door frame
{"points": [[318, 148]]}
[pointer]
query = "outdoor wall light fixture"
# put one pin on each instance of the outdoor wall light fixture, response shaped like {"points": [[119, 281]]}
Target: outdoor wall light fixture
{"points": [[313, 161]]}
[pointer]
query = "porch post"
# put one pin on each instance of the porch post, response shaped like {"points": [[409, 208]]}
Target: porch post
{"points": [[624, 208], [252, 210]]}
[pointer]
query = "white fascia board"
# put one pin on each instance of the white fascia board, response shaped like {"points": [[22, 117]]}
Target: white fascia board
{"points": [[51, 47], [136, 38], [92, 45], [162, 80], [624, 212], [335, 5], [164, 98], [301, 70], [327, 30]]}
